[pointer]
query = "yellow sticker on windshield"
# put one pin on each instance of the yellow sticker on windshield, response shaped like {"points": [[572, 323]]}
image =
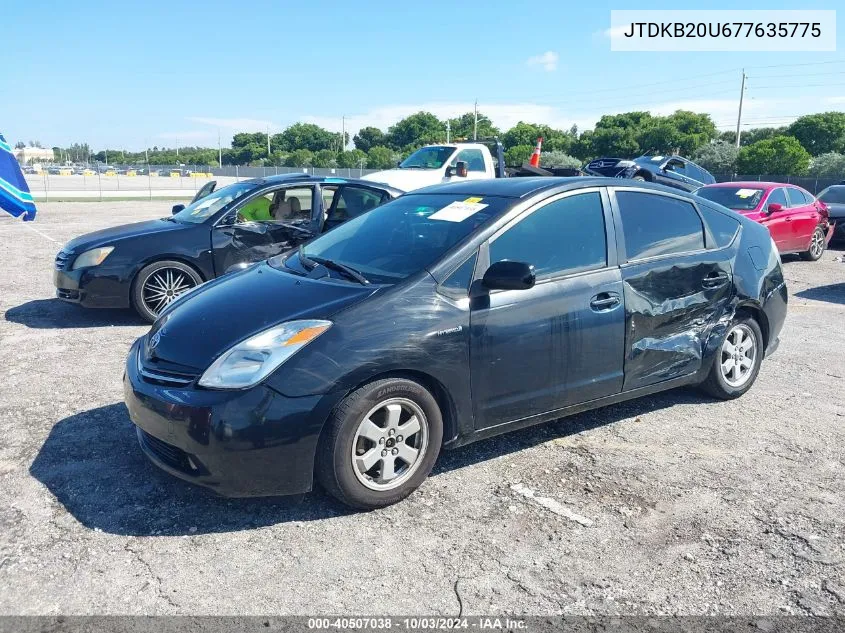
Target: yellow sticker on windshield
{"points": [[473, 200], [746, 193]]}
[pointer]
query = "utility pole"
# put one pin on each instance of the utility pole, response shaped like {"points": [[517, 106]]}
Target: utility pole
{"points": [[342, 133], [219, 150], [739, 115], [448, 130], [475, 124], [177, 148], [268, 140]]}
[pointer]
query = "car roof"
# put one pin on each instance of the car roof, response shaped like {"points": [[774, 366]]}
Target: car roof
{"points": [[309, 178], [518, 187], [753, 184]]}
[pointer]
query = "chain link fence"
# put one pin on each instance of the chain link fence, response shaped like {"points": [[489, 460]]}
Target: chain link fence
{"points": [[811, 183]]}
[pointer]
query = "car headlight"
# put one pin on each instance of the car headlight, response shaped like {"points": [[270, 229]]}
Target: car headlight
{"points": [[251, 361], [94, 257]]}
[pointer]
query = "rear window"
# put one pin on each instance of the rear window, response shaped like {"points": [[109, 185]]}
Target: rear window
{"points": [[736, 198], [656, 225], [834, 195]]}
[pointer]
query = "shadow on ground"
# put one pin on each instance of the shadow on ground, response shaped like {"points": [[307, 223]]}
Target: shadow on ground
{"points": [[53, 313], [93, 466], [832, 293]]}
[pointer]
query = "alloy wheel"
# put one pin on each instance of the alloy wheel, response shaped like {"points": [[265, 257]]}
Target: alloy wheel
{"points": [[738, 355], [817, 244], [163, 286], [389, 444]]}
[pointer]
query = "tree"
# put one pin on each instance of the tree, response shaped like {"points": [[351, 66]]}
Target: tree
{"points": [[614, 141], [325, 158], [661, 137], [582, 146], [367, 138], [462, 127], [820, 133], [300, 158], [527, 134], [717, 157], [352, 158], [694, 130], [381, 157], [418, 129], [518, 154], [828, 165], [307, 136], [778, 156], [558, 159], [20, 145]]}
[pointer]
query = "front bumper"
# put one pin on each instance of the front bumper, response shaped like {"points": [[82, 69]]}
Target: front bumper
{"points": [[96, 287], [248, 443]]}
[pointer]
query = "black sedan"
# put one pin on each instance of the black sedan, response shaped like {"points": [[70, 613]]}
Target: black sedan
{"points": [[450, 314], [672, 171], [148, 264], [834, 199]]}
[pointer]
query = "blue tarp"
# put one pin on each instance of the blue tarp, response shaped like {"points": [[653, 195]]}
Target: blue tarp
{"points": [[14, 192]]}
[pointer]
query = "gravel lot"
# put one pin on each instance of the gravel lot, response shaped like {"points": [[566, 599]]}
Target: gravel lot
{"points": [[671, 504]]}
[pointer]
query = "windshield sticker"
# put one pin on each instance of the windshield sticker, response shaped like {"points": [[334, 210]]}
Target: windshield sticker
{"points": [[472, 200], [457, 211], [745, 193], [656, 158]]}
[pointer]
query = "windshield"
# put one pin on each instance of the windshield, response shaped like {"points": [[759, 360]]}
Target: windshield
{"points": [[736, 198], [402, 237], [645, 160], [834, 195], [428, 158], [204, 208]]}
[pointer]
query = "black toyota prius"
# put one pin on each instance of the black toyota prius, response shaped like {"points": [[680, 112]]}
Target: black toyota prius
{"points": [[450, 314], [147, 265]]}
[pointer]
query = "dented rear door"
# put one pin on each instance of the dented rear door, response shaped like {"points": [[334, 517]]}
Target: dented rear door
{"points": [[675, 289]]}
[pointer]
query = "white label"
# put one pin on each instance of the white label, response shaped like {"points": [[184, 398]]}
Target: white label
{"points": [[457, 211], [746, 193]]}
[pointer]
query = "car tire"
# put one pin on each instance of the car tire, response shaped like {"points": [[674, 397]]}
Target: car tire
{"points": [[639, 178], [164, 276], [817, 246], [722, 382], [363, 458]]}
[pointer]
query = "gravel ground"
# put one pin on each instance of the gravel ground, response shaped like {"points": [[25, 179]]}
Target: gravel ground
{"points": [[671, 504]]}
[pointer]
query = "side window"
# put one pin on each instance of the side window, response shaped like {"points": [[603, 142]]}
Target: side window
{"points": [[796, 197], [472, 157], [722, 226], [808, 197], [566, 235], [354, 201], [460, 279], [695, 172], [329, 194], [777, 196], [292, 204], [658, 225], [677, 166]]}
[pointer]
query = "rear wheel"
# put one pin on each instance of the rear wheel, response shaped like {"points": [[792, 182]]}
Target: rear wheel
{"points": [[737, 362], [639, 177], [380, 444], [817, 245], [158, 285]]}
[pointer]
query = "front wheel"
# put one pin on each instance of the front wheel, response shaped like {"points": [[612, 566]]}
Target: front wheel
{"points": [[380, 443], [737, 362], [639, 178], [817, 245], [158, 285]]}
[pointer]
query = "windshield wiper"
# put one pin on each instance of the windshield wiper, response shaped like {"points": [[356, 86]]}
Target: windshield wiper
{"points": [[415, 167], [333, 265]]}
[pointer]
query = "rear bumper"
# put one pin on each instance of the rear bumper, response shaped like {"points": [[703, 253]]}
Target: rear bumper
{"points": [[96, 287]]}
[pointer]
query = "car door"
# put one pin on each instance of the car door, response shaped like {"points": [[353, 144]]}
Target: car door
{"points": [[675, 289], [560, 342], [344, 202], [804, 217], [777, 220], [476, 168], [296, 215]]}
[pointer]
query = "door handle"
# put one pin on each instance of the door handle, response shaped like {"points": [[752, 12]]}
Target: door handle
{"points": [[788, 218], [604, 301], [714, 280]]}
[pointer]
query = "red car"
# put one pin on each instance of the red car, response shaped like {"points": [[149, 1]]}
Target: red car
{"points": [[797, 221]]}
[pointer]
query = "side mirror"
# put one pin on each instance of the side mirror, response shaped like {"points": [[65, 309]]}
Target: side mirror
{"points": [[461, 169], [177, 208], [774, 207], [509, 276]]}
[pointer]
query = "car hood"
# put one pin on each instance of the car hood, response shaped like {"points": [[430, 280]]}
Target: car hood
{"points": [[407, 179], [234, 307], [125, 231], [608, 166]]}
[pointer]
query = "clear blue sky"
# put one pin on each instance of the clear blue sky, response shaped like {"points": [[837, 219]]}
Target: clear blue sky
{"points": [[126, 74]]}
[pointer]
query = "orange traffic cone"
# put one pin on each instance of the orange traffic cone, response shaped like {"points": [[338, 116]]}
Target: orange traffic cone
{"points": [[535, 157]]}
